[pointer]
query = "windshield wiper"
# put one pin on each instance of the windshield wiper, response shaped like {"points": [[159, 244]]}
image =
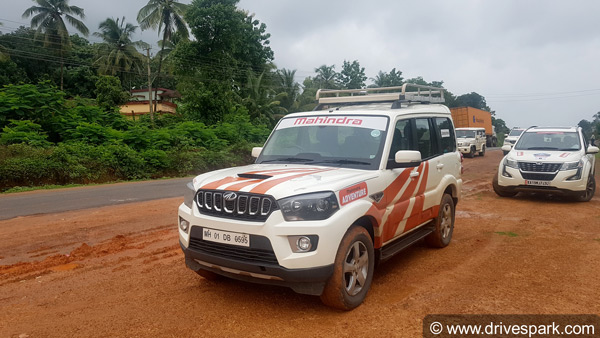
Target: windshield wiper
{"points": [[345, 162], [289, 159], [542, 148]]}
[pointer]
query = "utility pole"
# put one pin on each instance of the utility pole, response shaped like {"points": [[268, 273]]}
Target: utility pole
{"points": [[150, 87]]}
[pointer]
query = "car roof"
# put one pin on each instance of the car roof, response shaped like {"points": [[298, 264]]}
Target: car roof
{"points": [[549, 129]]}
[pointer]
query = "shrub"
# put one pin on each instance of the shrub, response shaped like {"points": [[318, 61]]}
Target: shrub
{"points": [[24, 132]]}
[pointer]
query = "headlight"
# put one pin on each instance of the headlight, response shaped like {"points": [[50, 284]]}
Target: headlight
{"points": [[511, 163], [309, 207], [189, 195], [571, 165]]}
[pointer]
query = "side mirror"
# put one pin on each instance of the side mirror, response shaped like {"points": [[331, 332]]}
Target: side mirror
{"points": [[506, 147], [592, 150], [256, 151], [407, 158]]}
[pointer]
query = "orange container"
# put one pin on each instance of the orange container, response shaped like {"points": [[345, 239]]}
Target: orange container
{"points": [[469, 117]]}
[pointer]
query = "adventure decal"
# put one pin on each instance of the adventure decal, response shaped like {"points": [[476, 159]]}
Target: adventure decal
{"points": [[353, 193]]}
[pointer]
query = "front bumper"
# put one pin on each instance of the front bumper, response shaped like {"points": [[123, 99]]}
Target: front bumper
{"points": [[270, 258], [559, 185], [464, 149], [306, 281]]}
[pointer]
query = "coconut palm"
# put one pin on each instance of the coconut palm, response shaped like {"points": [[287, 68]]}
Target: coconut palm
{"points": [[262, 103], [287, 84], [118, 54], [48, 19], [327, 77], [166, 16]]}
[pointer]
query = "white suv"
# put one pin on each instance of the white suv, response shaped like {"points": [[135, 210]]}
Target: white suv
{"points": [[333, 192], [513, 137], [548, 160], [471, 141]]}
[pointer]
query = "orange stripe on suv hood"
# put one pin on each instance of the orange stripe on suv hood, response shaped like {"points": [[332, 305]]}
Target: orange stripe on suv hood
{"points": [[265, 186]]}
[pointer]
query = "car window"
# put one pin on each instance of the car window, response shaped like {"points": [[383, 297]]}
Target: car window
{"points": [[424, 138], [445, 135]]}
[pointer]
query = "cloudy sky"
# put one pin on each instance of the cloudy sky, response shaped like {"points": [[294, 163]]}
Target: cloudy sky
{"points": [[536, 62]]}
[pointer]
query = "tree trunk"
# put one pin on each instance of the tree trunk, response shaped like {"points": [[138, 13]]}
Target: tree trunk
{"points": [[150, 88], [62, 65], [160, 56]]}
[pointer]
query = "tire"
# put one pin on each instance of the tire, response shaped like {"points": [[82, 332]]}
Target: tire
{"points": [[498, 189], [353, 271], [471, 154], [444, 224], [504, 152], [482, 152], [590, 189], [209, 275]]}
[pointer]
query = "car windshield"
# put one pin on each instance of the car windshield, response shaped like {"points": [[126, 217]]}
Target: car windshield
{"points": [[549, 140], [516, 132], [465, 133], [349, 141]]}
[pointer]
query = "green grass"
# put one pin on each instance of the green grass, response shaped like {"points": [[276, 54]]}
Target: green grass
{"points": [[57, 186], [43, 187], [508, 233]]}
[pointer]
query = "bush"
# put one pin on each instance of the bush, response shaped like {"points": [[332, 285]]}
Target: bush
{"points": [[24, 132]]}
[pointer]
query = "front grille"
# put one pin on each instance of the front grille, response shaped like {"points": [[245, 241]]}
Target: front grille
{"points": [[263, 254], [538, 177], [236, 205], [539, 167]]}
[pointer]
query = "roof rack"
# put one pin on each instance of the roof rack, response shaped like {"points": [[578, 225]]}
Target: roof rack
{"points": [[408, 92]]}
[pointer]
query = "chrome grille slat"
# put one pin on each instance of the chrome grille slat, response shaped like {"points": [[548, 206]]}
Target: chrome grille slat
{"points": [[253, 205], [237, 205], [242, 205], [208, 200], [218, 201]]}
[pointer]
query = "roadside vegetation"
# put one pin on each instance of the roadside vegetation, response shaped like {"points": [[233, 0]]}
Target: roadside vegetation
{"points": [[60, 94]]}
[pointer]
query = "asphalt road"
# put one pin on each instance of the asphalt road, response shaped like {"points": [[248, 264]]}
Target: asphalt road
{"points": [[58, 200]]}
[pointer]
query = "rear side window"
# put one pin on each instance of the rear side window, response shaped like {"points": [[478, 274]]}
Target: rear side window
{"points": [[445, 133], [424, 138]]}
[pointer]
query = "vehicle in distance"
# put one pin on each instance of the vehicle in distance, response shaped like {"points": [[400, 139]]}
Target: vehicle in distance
{"points": [[471, 141], [469, 117], [513, 137], [332, 192], [548, 160]]}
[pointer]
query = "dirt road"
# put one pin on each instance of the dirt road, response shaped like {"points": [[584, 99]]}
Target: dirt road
{"points": [[118, 271]]}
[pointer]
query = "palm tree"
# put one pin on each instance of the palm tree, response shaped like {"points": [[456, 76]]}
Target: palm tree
{"points": [[118, 54], [327, 77], [380, 80], [47, 18], [287, 84], [167, 17], [262, 103]]}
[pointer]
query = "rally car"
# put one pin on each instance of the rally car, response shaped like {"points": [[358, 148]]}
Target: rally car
{"points": [[332, 192], [548, 160]]}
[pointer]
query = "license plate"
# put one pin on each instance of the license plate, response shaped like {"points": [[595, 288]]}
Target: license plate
{"points": [[540, 183], [226, 237]]}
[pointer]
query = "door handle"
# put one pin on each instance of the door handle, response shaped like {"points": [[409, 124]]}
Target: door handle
{"points": [[414, 174]]}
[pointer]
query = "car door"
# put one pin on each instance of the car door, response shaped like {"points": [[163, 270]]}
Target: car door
{"points": [[405, 196]]}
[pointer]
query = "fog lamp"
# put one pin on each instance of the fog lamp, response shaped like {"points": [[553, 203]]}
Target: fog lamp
{"points": [[303, 243], [184, 225]]}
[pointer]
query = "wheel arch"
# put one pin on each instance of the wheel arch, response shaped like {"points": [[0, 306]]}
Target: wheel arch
{"points": [[369, 223], [452, 191]]}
